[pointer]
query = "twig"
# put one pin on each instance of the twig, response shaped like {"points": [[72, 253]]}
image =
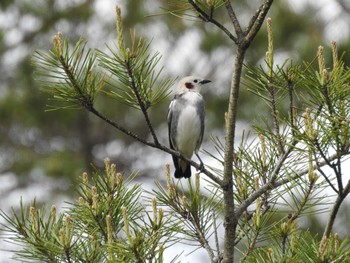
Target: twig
{"points": [[272, 184], [290, 87], [85, 101], [193, 220], [340, 198], [234, 19], [257, 20], [336, 168], [209, 18], [216, 234], [140, 102], [276, 123], [325, 176]]}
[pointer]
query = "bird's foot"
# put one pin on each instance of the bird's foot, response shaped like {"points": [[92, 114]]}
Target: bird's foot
{"points": [[201, 168], [201, 164]]}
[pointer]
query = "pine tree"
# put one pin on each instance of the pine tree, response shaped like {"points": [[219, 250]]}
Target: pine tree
{"points": [[265, 184]]}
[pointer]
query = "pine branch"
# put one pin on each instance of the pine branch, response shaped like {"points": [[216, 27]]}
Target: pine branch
{"points": [[273, 183], [340, 198], [140, 101]]}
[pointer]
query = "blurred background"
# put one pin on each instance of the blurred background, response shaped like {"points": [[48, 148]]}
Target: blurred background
{"points": [[43, 153]]}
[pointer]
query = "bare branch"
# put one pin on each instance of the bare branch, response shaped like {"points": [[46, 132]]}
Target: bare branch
{"points": [[209, 18], [333, 215], [230, 222], [257, 20], [234, 19]]}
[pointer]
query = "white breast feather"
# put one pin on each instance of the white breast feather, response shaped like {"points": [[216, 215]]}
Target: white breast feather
{"points": [[189, 128]]}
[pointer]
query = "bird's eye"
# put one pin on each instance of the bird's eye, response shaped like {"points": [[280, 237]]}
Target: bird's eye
{"points": [[195, 81]]}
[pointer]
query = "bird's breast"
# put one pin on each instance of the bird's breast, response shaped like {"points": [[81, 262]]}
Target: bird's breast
{"points": [[188, 130]]}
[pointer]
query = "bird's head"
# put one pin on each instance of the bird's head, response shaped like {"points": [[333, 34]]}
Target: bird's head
{"points": [[191, 83]]}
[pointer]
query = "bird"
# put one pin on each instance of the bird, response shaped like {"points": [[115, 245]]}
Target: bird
{"points": [[186, 123]]}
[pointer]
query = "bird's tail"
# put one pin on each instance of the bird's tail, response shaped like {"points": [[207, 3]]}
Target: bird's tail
{"points": [[182, 169]]}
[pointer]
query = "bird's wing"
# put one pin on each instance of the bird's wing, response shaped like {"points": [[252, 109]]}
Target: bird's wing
{"points": [[170, 117], [201, 114], [172, 136]]}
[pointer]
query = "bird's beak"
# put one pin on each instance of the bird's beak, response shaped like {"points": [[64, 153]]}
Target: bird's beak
{"points": [[205, 81]]}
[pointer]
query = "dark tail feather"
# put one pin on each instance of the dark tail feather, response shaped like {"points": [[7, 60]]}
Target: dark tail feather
{"points": [[179, 173], [186, 174]]}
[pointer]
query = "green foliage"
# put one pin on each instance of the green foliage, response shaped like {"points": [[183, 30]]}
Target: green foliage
{"points": [[134, 79], [108, 223], [69, 77], [297, 246], [196, 212]]}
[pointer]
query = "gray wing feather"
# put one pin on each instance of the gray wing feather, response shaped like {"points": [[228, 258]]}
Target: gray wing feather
{"points": [[201, 115], [170, 125]]}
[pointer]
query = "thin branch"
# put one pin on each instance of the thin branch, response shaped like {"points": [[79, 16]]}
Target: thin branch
{"points": [[141, 102], [86, 101], [251, 245], [250, 216], [203, 240], [326, 178], [336, 168], [290, 87], [272, 184], [320, 151], [209, 18], [299, 209], [276, 124], [257, 20], [333, 215], [234, 19], [217, 245], [193, 220], [253, 19]]}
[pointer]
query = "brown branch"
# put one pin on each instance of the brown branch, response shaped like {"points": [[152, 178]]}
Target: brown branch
{"points": [[340, 198], [141, 102], [234, 19], [85, 100], [257, 20], [230, 221], [209, 18], [231, 216]]}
